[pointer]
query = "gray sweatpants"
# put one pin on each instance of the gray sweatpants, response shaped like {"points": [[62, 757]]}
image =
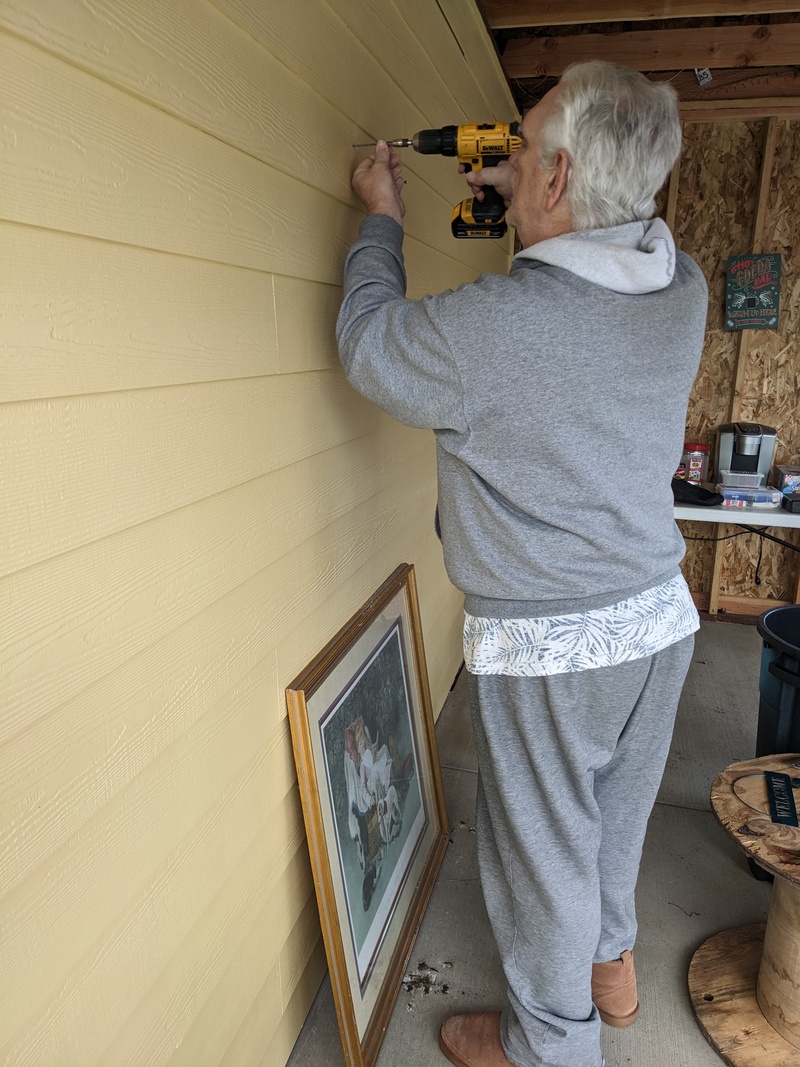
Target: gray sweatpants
{"points": [[569, 767]]}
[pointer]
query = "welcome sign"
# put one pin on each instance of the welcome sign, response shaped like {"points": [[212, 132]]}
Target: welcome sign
{"points": [[753, 291]]}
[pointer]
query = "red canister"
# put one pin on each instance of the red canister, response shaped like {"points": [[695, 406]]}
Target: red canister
{"points": [[695, 462]]}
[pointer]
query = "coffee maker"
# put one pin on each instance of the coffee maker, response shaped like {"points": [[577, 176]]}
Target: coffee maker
{"points": [[745, 447]]}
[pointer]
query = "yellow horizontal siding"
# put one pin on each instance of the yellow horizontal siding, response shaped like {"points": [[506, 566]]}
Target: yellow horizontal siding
{"points": [[120, 460], [447, 92], [74, 324], [128, 716], [120, 594], [122, 171], [305, 319], [259, 220], [195, 64], [80, 951], [480, 63], [283, 1039], [375, 25], [206, 989], [194, 500], [265, 1038]]}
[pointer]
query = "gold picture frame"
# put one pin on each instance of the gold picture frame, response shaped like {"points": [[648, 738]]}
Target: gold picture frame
{"points": [[373, 803]]}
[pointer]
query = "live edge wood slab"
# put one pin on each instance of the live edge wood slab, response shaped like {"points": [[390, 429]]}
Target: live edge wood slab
{"points": [[745, 983]]}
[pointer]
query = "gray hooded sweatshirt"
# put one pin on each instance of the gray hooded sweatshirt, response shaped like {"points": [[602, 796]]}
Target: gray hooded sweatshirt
{"points": [[558, 398]]}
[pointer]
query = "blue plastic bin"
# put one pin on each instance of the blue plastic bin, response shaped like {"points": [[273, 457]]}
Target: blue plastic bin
{"points": [[779, 681]]}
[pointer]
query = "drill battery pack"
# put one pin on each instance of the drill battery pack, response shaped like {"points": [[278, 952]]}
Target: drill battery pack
{"points": [[479, 218], [477, 145]]}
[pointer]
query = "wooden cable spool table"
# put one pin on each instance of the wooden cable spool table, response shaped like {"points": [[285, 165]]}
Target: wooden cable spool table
{"points": [[745, 983]]}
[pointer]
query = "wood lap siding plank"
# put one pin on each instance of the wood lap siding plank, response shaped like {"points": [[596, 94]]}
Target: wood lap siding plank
{"points": [[120, 594], [413, 25], [131, 720], [305, 320], [122, 171], [445, 624], [295, 133], [264, 139], [260, 598], [365, 86], [165, 777], [258, 1031], [437, 607], [330, 615], [469, 32], [151, 441], [162, 836], [308, 36], [197, 498], [74, 324], [262, 901], [258, 1020], [375, 25], [216, 78], [362, 81], [51, 799], [153, 437]]}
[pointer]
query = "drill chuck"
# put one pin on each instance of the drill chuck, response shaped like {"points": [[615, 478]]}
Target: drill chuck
{"points": [[441, 142]]}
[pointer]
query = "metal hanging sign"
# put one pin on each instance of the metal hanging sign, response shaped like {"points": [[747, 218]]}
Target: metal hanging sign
{"points": [[753, 291]]}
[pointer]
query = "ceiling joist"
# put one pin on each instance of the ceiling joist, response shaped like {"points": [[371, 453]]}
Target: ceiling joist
{"points": [[647, 50], [515, 14], [712, 110], [751, 48]]}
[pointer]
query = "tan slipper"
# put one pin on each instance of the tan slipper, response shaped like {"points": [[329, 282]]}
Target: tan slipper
{"points": [[614, 991], [473, 1040]]}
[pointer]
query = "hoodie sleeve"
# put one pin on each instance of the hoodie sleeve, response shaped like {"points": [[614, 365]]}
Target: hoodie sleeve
{"points": [[394, 351]]}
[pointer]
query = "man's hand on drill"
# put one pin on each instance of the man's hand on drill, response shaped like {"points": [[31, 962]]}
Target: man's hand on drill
{"points": [[500, 176], [378, 183]]}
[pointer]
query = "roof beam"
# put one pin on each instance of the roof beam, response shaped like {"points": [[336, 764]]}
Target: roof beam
{"points": [[785, 107], [727, 87], [744, 83], [646, 50], [514, 14], [731, 94]]}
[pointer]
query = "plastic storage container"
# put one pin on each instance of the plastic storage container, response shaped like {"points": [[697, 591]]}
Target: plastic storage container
{"points": [[749, 498], [694, 462], [779, 691], [779, 681], [741, 479]]}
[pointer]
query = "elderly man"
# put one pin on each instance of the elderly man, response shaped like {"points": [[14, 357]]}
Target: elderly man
{"points": [[558, 398]]}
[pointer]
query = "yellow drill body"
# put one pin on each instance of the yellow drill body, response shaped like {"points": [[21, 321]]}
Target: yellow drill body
{"points": [[483, 145], [476, 145]]}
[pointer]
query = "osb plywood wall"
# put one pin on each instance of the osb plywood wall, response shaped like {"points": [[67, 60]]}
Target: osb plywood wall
{"points": [[719, 181], [194, 500]]}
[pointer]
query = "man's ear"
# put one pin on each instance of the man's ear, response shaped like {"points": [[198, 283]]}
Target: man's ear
{"points": [[557, 182]]}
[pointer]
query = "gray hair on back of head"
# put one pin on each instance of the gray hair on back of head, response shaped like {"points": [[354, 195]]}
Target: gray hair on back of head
{"points": [[622, 134]]}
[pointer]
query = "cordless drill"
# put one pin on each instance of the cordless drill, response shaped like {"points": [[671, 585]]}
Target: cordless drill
{"points": [[477, 145]]}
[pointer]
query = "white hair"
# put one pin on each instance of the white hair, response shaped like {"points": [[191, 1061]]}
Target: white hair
{"points": [[622, 134]]}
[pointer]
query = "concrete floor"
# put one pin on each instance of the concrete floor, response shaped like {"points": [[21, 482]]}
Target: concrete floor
{"points": [[694, 882]]}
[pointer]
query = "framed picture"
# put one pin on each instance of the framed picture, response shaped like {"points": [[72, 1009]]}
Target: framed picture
{"points": [[373, 804]]}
